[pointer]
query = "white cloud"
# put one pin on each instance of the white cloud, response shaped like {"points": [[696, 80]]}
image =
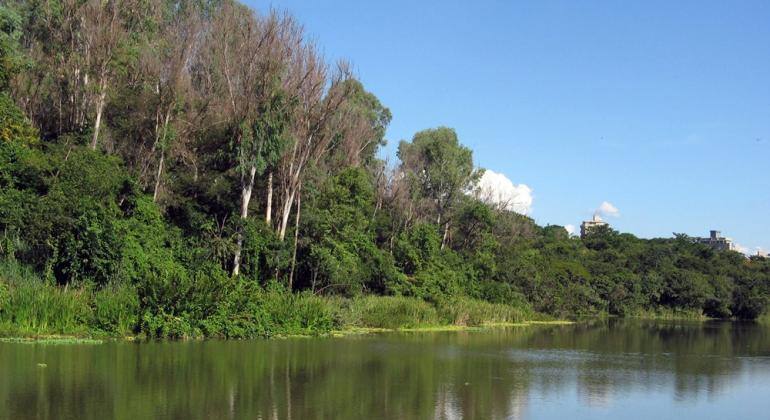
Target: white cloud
{"points": [[749, 251], [570, 229], [607, 209], [742, 249], [496, 188]]}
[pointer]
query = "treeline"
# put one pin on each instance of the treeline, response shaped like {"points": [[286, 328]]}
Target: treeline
{"points": [[196, 156]]}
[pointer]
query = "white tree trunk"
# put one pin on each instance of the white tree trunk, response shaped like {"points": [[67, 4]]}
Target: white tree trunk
{"points": [[157, 178], [286, 211], [269, 209], [246, 190], [237, 258], [99, 110], [296, 239], [446, 234]]}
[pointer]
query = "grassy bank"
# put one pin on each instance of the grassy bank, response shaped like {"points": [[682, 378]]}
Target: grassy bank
{"points": [[670, 315], [33, 308]]}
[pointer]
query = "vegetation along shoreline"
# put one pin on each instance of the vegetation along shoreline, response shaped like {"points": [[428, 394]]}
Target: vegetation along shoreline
{"points": [[199, 169]]}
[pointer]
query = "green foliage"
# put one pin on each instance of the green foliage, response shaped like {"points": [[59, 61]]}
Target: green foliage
{"points": [[148, 244], [417, 247], [439, 167], [5, 297], [338, 242], [388, 312], [35, 307], [10, 57], [14, 126], [174, 304], [750, 297], [116, 310], [473, 312], [86, 247], [296, 313]]}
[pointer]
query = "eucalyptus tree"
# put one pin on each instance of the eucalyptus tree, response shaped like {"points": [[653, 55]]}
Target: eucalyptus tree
{"points": [[54, 91], [320, 94], [245, 63], [103, 34], [360, 126], [440, 170], [78, 52], [166, 64], [10, 57]]}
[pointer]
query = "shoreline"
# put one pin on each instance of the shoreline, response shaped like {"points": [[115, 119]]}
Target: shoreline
{"points": [[337, 333], [61, 339]]}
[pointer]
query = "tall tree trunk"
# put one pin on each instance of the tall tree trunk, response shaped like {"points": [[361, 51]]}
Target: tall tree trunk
{"points": [[296, 239], [157, 178], [285, 214], [291, 179], [246, 192], [246, 189], [269, 207], [99, 110], [314, 277], [446, 235], [162, 140]]}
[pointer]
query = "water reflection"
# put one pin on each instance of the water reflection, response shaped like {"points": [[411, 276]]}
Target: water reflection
{"points": [[532, 372]]}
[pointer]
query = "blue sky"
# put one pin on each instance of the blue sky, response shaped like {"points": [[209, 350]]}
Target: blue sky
{"points": [[661, 108]]}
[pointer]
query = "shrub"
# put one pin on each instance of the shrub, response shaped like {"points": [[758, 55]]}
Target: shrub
{"points": [[176, 304]]}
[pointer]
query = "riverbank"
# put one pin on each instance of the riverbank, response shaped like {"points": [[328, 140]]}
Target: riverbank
{"points": [[345, 332], [33, 309]]}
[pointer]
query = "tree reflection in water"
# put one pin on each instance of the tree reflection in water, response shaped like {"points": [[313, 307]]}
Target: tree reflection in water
{"points": [[501, 373]]}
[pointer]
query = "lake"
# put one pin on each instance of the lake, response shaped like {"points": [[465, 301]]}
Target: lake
{"points": [[600, 369]]}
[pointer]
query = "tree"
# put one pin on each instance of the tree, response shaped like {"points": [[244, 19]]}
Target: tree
{"points": [[166, 65], [10, 57], [246, 62], [103, 34], [311, 127], [360, 124], [440, 170]]}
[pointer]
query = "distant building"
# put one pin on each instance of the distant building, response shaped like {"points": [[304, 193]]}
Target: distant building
{"points": [[588, 225], [717, 242], [762, 254]]}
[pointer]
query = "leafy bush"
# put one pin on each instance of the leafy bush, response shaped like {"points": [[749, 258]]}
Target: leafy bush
{"points": [[175, 304]]}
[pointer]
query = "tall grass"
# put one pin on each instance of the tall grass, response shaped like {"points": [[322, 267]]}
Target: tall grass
{"points": [[465, 311], [115, 310], [297, 313], [389, 312], [668, 314], [31, 306]]}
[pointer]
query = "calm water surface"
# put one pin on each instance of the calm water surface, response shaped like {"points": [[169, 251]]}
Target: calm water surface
{"points": [[612, 370]]}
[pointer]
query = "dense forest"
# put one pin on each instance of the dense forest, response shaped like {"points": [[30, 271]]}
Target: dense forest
{"points": [[196, 168]]}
